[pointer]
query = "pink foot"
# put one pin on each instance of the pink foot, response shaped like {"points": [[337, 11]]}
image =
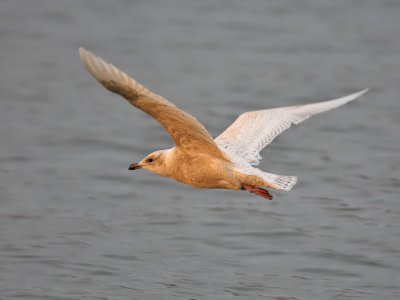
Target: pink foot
{"points": [[258, 191]]}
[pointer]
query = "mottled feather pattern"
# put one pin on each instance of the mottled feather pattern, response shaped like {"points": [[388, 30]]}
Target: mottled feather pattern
{"points": [[254, 130], [279, 182]]}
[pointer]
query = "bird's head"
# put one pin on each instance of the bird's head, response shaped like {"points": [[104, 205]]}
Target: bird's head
{"points": [[154, 162]]}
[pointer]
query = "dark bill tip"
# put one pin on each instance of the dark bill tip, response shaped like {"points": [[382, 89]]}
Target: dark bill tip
{"points": [[134, 166]]}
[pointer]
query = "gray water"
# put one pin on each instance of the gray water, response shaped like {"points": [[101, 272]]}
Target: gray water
{"points": [[76, 224]]}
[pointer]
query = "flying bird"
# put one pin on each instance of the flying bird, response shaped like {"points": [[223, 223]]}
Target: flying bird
{"points": [[197, 159]]}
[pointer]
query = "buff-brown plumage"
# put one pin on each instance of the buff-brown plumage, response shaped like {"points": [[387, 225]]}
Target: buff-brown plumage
{"points": [[197, 159]]}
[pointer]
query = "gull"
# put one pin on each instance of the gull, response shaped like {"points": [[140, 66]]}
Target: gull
{"points": [[198, 160]]}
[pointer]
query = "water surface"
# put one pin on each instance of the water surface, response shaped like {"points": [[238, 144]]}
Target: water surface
{"points": [[76, 224]]}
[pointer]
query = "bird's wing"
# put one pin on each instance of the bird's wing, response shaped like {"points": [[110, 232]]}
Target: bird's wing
{"points": [[254, 130], [187, 133]]}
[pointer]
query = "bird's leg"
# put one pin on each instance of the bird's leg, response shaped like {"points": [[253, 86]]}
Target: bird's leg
{"points": [[258, 191]]}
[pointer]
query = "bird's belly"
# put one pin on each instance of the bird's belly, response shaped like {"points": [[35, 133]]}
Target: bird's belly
{"points": [[212, 179], [217, 183]]}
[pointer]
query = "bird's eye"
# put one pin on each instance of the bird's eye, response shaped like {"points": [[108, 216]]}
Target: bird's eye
{"points": [[150, 160]]}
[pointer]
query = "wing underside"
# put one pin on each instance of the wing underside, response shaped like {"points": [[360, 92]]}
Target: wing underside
{"points": [[254, 130]]}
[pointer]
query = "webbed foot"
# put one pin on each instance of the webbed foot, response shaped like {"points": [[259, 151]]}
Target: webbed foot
{"points": [[258, 191]]}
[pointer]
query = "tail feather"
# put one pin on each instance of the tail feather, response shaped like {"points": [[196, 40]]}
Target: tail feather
{"points": [[278, 182], [284, 183], [275, 181]]}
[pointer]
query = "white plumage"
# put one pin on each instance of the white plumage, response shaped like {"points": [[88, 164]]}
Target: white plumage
{"points": [[252, 131]]}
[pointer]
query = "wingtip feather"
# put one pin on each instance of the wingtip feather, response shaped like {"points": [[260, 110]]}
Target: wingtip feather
{"points": [[357, 95], [95, 65], [105, 72]]}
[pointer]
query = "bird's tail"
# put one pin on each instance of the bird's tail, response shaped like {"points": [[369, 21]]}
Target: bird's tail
{"points": [[278, 182], [284, 183], [257, 177]]}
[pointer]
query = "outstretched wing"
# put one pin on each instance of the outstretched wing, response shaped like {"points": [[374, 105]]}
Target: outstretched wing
{"points": [[187, 133], [254, 130]]}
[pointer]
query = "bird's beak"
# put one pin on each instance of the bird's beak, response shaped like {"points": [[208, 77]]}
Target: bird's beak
{"points": [[135, 166]]}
